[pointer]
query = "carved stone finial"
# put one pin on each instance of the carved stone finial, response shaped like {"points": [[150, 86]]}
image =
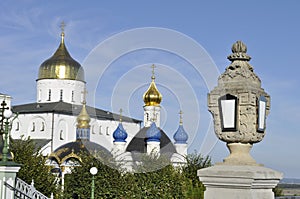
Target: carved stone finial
{"points": [[239, 50], [239, 47]]}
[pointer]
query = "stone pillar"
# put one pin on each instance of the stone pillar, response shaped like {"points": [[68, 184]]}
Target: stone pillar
{"points": [[119, 148], [153, 147], [239, 107], [7, 175], [239, 182]]}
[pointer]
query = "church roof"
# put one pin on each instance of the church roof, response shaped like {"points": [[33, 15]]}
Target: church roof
{"points": [[69, 109], [138, 142]]}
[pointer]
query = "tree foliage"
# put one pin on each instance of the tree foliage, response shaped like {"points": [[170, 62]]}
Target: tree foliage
{"points": [[194, 187], [33, 166], [156, 178]]}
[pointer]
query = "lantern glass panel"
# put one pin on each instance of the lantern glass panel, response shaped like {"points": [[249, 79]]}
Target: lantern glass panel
{"points": [[262, 105], [228, 112]]}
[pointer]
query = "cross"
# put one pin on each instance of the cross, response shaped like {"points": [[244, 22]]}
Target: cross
{"points": [[62, 26], [180, 117], [84, 93], [121, 111], [153, 67], [2, 109]]}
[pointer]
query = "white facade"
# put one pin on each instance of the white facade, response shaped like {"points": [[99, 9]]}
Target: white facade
{"points": [[54, 90], [60, 129]]}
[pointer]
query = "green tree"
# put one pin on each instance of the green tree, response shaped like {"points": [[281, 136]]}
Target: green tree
{"points": [[193, 186], [155, 177], [33, 166], [108, 180], [278, 191]]}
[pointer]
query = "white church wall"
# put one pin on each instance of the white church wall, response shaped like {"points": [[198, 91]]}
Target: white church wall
{"points": [[37, 126], [61, 129], [64, 130], [102, 131], [54, 90]]}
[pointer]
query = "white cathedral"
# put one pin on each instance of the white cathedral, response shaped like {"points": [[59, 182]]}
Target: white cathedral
{"points": [[62, 124]]}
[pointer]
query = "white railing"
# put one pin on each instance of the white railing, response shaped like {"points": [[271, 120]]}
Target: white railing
{"points": [[29, 191]]}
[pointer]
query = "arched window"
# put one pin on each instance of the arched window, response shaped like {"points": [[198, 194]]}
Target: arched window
{"points": [[100, 130], [17, 126], [72, 96], [33, 127], [49, 95], [61, 135], [43, 126], [107, 132], [61, 95]]}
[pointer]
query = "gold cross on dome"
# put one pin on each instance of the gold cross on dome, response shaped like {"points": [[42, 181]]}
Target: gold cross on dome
{"points": [[153, 67], [84, 94], [180, 117], [62, 26], [121, 111]]}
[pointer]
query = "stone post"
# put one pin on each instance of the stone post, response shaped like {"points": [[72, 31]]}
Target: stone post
{"points": [[238, 97], [8, 175]]}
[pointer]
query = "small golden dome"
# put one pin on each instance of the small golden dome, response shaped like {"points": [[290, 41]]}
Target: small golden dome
{"points": [[152, 96], [83, 119], [61, 65]]}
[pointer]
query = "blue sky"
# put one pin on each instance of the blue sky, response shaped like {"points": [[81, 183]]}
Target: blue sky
{"points": [[29, 34]]}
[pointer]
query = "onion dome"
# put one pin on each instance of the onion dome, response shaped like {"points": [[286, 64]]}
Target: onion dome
{"points": [[61, 65], [153, 134], [180, 135], [120, 134], [152, 96], [83, 119], [83, 124]]}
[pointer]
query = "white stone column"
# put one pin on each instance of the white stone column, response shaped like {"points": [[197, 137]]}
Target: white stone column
{"points": [[151, 114], [239, 182], [8, 175], [119, 148], [153, 147], [181, 148]]}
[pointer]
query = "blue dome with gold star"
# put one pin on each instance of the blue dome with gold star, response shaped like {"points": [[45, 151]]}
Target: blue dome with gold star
{"points": [[120, 134], [180, 136]]}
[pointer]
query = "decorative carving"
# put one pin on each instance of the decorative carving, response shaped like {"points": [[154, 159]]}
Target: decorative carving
{"points": [[239, 80]]}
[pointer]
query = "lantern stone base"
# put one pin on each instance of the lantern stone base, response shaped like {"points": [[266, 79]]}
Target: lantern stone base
{"points": [[240, 155], [236, 182]]}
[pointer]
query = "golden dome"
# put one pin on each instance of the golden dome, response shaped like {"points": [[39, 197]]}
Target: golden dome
{"points": [[61, 65], [152, 96], [83, 119]]}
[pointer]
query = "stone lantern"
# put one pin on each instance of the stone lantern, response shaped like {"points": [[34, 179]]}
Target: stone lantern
{"points": [[239, 106]]}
